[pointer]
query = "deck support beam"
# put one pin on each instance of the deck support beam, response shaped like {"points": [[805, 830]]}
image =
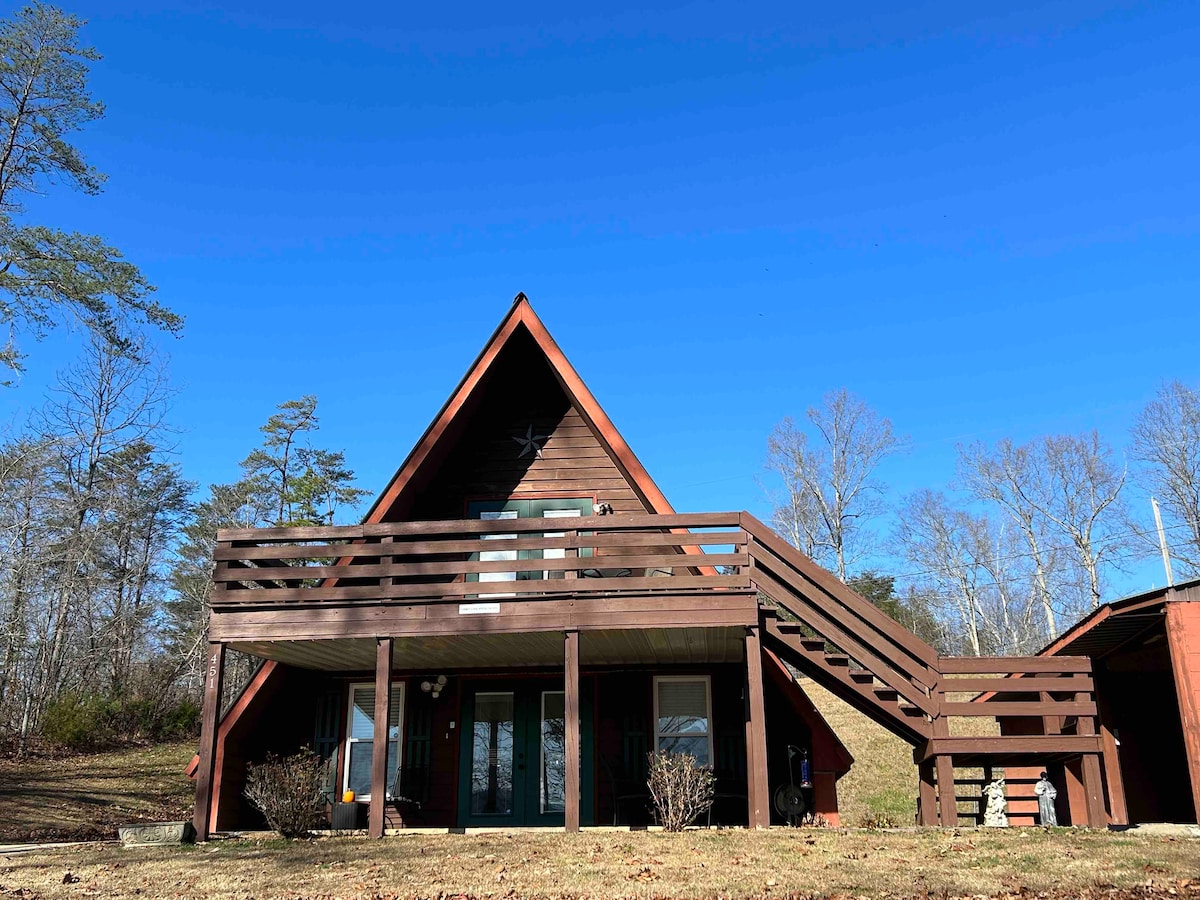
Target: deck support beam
{"points": [[571, 759], [379, 747], [214, 679], [944, 764], [926, 795], [758, 791]]}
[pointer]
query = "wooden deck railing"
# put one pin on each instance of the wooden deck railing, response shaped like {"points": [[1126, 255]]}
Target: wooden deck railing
{"points": [[448, 561]]}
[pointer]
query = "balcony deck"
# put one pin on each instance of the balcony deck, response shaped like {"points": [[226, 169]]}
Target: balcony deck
{"points": [[436, 580]]}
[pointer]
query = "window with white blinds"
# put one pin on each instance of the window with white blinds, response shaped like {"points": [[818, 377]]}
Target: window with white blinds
{"points": [[360, 737], [683, 716]]}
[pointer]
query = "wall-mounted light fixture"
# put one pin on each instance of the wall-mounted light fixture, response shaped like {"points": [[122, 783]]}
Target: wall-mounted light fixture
{"points": [[434, 687]]}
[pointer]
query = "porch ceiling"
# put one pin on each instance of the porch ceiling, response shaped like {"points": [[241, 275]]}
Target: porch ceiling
{"points": [[541, 648]]}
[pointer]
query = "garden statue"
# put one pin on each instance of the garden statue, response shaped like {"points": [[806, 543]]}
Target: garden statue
{"points": [[995, 814], [1046, 795]]}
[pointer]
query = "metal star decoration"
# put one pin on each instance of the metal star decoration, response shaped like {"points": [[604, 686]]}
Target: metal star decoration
{"points": [[531, 443]]}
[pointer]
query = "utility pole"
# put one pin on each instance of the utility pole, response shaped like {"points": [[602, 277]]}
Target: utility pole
{"points": [[1162, 542]]}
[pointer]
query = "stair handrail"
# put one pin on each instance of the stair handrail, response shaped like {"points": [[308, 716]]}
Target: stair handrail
{"points": [[918, 660]]}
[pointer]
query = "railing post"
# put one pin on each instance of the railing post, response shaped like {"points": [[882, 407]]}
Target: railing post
{"points": [[571, 756], [944, 763], [379, 747], [210, 721]]}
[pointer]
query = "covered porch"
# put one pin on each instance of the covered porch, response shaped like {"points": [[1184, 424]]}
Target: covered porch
{"points": [[501, 603]]}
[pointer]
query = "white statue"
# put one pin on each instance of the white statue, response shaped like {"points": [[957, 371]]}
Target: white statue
{"points": [[995, 814], [1046, 795]]}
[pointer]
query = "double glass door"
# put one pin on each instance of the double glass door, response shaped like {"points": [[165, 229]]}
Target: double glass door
{"points": [[497, 510], [512, 755]]}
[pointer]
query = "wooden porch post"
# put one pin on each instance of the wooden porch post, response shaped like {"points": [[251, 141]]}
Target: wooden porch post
{"points": [[758, 791], [1093, 786], [571, 759], [926, 795], [947, 803], [209, 721], [379, 747]]}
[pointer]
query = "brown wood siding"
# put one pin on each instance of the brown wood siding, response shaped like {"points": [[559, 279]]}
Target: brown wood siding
{"points": [[484, 461]]}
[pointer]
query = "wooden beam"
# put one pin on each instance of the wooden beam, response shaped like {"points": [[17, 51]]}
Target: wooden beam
{"points": [[1009, 745], [1093, 785], [926, 795], [379, 747], [758, 790], [214, 678], [995, 665], [1117, 808], [1183, 641], [572, 756], [944, 764]]}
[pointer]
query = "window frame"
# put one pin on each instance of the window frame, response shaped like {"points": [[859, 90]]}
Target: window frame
{"points": [[658, 735], [398, 692]]}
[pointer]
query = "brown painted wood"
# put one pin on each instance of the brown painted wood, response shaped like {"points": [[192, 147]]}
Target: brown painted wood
{"points": [[1010, 745], [1117, 807], [834, 632], [452, 591], [1093, 786], [927, 813], [463, 567], [1183, 642], [662, 611], [728, 521], [863, 609], [572, 757], [1030, 708], [214, 678], [1004, 685], [995, 665], [756, 735], [426, 545], [379, 746]]}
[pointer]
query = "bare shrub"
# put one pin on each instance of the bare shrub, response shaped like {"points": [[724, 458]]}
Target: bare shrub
{"points": [[681, 789], [289, 791]]}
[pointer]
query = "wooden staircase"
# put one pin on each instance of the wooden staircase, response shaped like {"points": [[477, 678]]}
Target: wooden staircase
{"points": [[836, 673], [825, 630], [843, 642]]}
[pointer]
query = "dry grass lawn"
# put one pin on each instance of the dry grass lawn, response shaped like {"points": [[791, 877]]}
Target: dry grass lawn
{"points": [[601, 865], [83, 797]]}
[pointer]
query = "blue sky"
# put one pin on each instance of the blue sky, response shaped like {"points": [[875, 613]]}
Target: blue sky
{"points": [[983, 221]]}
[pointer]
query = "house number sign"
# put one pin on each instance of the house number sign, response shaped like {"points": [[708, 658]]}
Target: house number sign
{"points": [[213, 664], [478, 609]]}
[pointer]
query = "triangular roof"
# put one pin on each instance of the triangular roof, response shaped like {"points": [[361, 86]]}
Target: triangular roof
{"points": [[521, 319]]}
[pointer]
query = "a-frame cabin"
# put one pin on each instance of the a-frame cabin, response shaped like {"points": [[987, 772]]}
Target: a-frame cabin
{"points": [[471, 663]]}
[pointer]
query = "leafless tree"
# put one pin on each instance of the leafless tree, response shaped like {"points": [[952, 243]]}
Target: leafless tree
{"points": [[829, 487], [1003, 475], [1166, 438], [975, 573]]}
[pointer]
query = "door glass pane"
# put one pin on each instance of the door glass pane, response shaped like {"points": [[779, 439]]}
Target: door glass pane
{"points": [[557, 552], [359, 778], [492, 755], [554, 749], [498, 555]]}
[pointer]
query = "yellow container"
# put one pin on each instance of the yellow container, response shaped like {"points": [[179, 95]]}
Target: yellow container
{"points": [[348, 797]]}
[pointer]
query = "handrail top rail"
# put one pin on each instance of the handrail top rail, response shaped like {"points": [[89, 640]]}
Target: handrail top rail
{"points": [[611, 523]]}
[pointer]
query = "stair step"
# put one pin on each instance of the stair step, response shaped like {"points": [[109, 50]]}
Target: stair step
{"points": [[886, 693], [813, 645], [862, 676], [837, 659]]}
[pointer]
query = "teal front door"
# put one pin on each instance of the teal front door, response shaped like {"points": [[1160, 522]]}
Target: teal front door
{"points": [[512, 755]]}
